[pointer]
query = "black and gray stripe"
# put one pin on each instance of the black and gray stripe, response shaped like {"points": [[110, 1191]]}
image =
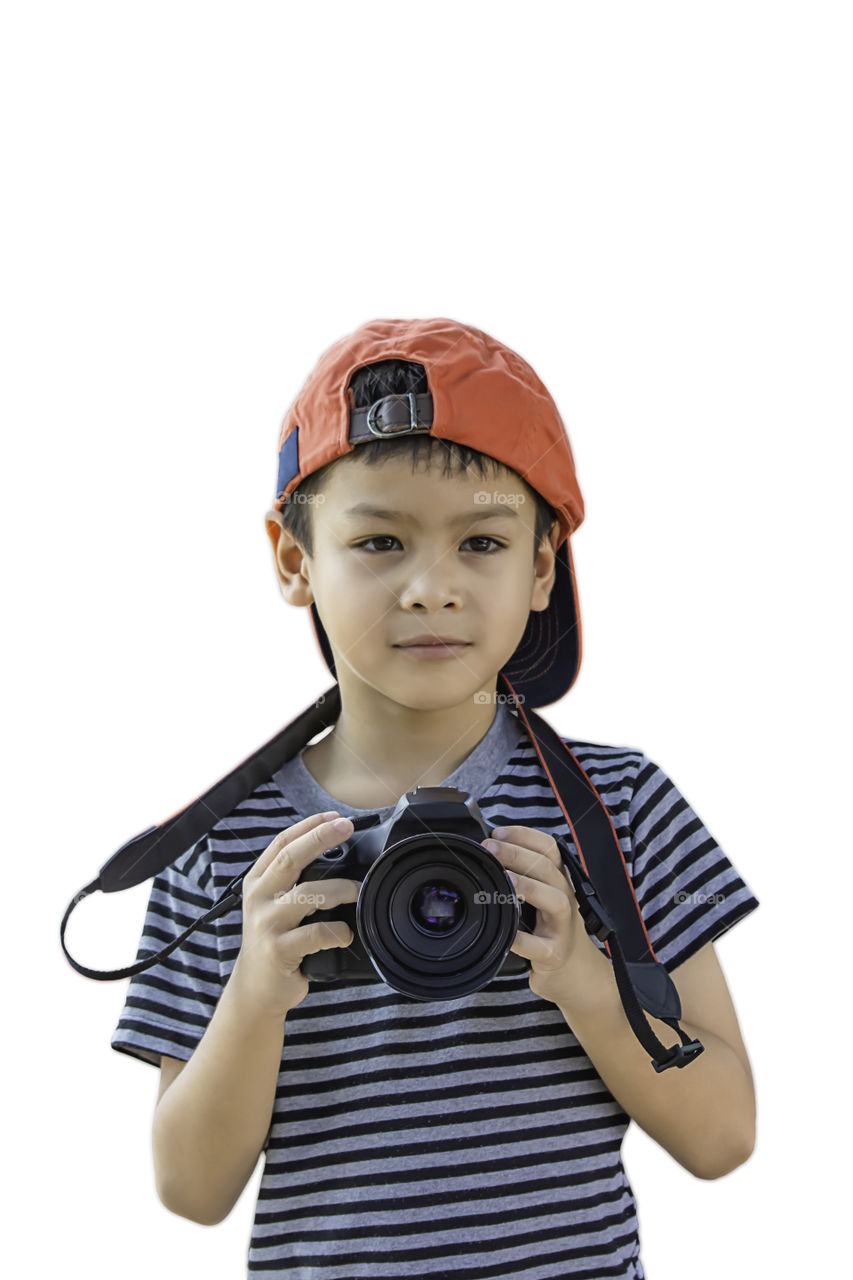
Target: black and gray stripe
{"points": [[469, 1138]]}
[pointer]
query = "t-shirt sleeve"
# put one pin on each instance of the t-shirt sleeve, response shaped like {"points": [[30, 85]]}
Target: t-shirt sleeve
{"points": [[688, 891], [168, 1006]]}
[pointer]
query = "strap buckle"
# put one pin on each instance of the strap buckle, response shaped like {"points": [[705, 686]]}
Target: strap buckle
{"points": [[595, 918], [394, 428], [679, 1055]]}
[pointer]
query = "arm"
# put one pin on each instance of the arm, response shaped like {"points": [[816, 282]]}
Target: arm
{"points": [[214, 1111], [702, 1114], [211, 1120]]}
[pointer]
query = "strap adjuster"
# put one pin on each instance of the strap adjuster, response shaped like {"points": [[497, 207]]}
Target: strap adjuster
{"points": [[591, 915], [679, 1055], [389, 427], [595, 918]]}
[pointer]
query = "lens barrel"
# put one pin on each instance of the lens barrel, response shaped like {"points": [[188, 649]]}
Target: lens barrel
{"points": [[437, 916]]}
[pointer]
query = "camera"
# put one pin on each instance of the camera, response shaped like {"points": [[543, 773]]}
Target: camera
{"points": [[436, 913]]}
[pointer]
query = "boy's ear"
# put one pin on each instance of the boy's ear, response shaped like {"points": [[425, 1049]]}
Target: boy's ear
{"points": [[290, 561], [545, 568]]}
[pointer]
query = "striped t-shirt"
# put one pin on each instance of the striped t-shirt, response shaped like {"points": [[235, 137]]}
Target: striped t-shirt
{"points": [[470, 1138]]}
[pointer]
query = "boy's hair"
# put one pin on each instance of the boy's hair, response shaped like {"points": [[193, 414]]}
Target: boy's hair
{"points": [[396, 377]]}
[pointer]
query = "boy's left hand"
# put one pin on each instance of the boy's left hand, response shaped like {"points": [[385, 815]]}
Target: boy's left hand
{"points": [[542, 880]]}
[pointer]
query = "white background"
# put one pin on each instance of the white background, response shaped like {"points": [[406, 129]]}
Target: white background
{"points": [[651, 203]]}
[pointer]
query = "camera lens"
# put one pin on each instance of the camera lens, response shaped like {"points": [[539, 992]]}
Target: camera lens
{"points": [[437, 908], [435, 916]]}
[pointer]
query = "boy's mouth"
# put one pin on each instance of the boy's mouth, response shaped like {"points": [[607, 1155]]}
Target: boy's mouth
{"points": [[433, 646], [428, 638]]}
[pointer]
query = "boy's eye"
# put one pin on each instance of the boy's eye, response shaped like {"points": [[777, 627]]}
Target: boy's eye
{"points": [[387, 537]]}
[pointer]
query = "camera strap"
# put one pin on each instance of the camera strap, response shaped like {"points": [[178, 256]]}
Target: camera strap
{"points": [[606, 898], [599, 875]]}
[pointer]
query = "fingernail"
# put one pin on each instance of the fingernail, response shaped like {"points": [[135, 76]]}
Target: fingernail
{"points": [[342, 824], [499, 832], [333, 813]]}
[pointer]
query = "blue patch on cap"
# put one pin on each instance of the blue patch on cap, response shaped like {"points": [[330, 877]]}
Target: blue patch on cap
{"points": [[288, 462]]}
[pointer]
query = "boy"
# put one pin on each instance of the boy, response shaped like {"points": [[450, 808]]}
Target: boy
{"points": [[427, 491]]}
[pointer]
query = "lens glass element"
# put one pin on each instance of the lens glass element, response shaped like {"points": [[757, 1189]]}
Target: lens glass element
{"points": [[436, 907]]}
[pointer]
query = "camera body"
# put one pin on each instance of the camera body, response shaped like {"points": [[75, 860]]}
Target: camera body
{"points": [[436, 913]]}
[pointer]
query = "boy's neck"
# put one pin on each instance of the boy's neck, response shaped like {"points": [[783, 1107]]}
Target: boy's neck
{"points": [[369, 767]]}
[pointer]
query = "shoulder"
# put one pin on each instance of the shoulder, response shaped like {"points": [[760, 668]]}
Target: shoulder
{"points": [[228, 845], [235, 840], [605, 753], [608, 767], [631, 781], [612, 769]]}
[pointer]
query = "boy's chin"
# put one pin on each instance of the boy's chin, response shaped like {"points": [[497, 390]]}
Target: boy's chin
{"points": [[438, 692]]}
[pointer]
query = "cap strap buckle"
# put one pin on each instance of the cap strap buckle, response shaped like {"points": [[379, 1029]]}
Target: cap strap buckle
{"points": [[395, 422]]}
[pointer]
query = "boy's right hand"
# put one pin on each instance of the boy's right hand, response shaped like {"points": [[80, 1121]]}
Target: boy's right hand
{"points": [[274, 939]]}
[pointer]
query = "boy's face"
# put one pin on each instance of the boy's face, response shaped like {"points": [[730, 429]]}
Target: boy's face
{"points": [[452, 562]]}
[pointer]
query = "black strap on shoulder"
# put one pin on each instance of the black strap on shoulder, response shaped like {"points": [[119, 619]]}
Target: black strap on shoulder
{"points": [[602, 885], [605, 894], [155, 848]]}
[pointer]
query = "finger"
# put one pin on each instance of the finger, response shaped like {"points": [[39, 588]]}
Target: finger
{"points": [[285, 837], [316, 895], [526, 861], [319, 936], [293, 856], [551, 903], [540, 951], [530, 838], [284, 915]]}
